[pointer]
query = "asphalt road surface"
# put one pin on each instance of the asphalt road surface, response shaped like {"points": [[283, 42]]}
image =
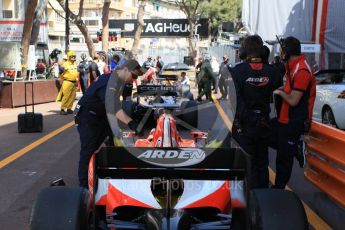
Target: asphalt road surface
{"points": [[29, 163]]}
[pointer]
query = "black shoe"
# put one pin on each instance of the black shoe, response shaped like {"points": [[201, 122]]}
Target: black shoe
{"points": [[300, 156], [199, 99], [221, 98], [63, 112], [69, 111]]}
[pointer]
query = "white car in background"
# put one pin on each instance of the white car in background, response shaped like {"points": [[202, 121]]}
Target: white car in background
{"points": [[329, 105]]}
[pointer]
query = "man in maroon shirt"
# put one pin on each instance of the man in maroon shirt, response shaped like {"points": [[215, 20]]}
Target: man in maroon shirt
{"points": [[294, 118]]}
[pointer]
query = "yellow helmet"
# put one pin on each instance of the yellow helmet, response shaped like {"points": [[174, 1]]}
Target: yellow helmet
{"points": [[71, 53]]}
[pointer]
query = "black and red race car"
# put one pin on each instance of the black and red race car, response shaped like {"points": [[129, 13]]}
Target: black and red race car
{"points": [[165, 181], [169, 178]]}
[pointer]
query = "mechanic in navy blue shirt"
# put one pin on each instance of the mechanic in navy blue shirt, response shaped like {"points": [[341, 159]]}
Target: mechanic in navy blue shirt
{"points": [[255, 82], [91, 117]]}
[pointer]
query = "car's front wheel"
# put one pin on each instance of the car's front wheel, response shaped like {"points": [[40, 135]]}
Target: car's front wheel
{"points": [[328, 117]]}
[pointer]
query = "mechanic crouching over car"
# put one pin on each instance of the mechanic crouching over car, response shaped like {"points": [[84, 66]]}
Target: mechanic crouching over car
{"points": [[255, 82], [91, 117]]}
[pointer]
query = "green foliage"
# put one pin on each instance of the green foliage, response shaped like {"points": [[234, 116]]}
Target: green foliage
{"points": [[221, 11]]}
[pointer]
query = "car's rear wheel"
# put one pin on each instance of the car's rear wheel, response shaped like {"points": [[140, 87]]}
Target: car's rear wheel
{"points": [[276, 209], [61, 208], [328, 117]]}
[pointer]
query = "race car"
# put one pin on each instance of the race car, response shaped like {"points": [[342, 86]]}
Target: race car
{"points": [[173, 70], [150, 100], [168, 177], [166, 181]]}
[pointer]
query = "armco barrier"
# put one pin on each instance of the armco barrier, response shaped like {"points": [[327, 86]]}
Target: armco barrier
{"points": [[326, 160]]}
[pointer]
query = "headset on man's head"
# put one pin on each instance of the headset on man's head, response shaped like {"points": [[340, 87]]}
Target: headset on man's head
{"points": [[284, 47]]}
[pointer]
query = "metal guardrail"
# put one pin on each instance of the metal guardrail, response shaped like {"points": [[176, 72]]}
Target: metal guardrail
{"points": [[326, 160]]}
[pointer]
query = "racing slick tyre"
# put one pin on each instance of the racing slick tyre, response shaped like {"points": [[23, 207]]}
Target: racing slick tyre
{"points": [[276, 209], [60, 208], [189, 110]]}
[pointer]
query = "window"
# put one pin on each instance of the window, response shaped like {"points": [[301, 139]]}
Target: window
{"points": [[76, 40], [325, 77], [58, 16], [7, 14], [91, 22]]}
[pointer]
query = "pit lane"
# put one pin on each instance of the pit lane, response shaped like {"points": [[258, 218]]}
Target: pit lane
{"points": [[57, 156]]}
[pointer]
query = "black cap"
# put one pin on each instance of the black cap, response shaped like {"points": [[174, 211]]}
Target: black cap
{"points": [[292, 45], [133, 65]]}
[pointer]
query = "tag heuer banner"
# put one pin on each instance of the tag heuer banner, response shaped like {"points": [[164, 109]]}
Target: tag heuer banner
{"points": [[159, 27]]}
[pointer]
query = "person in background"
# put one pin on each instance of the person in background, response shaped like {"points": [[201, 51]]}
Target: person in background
{"points": [[159, 65], [40, 66], [148, 63], [54, 68], [101, 64], [224, 72], [184, 79], [69, 74], [114, 62], [215, 68], [295, 115], [83, 72], [198, 83], [94, 72], [206, 78]]}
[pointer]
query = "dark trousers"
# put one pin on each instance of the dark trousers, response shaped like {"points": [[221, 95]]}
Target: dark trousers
{"points": [[256, 145], [215, 82], [285, 140], [92, 131], [81, 82], [200, 86], [206, 89], [223, 87]]}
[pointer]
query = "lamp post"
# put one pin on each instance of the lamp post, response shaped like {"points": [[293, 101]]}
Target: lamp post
{"points": [[67, 26]]}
